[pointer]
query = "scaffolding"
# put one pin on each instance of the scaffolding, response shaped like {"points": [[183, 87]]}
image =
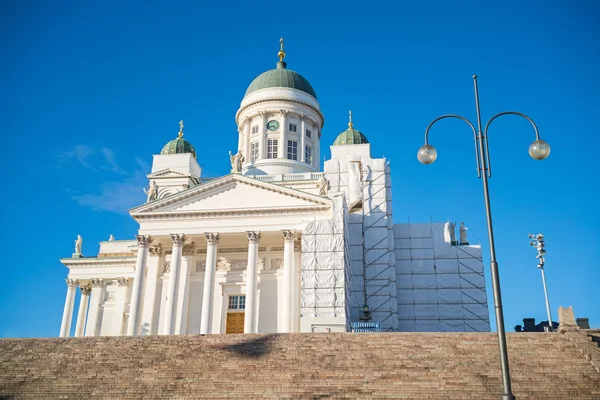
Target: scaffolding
{"points": [[441, 287]]}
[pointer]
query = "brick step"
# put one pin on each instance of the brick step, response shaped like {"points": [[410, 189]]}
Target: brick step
{"points": [[383, 365]]}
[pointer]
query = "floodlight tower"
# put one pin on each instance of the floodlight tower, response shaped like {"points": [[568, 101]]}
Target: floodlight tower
{"points": [[537, 241]]}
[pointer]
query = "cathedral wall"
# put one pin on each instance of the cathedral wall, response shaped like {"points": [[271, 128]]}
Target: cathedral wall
{"points": [[441, 287]]}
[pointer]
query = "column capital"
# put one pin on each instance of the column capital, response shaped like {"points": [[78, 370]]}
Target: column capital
{"points": [[262, 113], [156, 250], [85, 289], [72, 282], [122, 281], [143, 240], [283, 112], [97, 282], [178, 239], [288, 235], [212, 237], [189, 249], [253, 236]]}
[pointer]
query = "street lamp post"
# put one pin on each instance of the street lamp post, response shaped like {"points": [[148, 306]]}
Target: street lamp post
{"points": [[538, 150], [538, 242]]}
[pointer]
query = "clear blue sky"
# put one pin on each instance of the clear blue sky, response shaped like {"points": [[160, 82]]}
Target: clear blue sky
{"points": [[90, 90]]}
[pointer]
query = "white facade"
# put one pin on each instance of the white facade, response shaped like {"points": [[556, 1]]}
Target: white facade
{"points": [[311, 251]]}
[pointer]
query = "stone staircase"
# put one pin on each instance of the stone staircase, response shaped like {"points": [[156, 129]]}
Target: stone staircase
{"points": [[307, 366]]}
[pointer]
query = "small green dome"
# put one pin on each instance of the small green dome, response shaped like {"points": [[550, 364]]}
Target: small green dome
{"points": [[178, 146], [281, 77], [350, 136]]}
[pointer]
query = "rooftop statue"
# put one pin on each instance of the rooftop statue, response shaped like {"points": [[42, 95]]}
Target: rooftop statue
{"points": [[236, 162]]}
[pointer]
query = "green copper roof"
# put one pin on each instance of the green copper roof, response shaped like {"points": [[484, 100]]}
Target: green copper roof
{"points": [[281, 77], [178, 146], [350, 136]]}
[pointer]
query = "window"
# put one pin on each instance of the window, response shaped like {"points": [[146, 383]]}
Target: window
{"points": [[272, 148], [308, 154], [292, 128], [254, 151], [237, 302], [292, 150], [308, 133], [255, 129]]}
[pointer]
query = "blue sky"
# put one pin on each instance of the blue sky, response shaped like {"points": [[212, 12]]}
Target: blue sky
{"points": [[90, 90]]}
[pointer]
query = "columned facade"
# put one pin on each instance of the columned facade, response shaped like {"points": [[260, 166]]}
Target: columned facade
{"points": [[83, 305], [65, 326], [121, 295], [183, 288], [149, 314], [92, 326], [133, 326], [250, 318], [212, 242], [288, 260], [170, 309]]}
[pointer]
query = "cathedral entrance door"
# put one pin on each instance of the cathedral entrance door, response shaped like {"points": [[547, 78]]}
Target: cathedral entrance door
{"points": [[235, 322], [236, 314]]}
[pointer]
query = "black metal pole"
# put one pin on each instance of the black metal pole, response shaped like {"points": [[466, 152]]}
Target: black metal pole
{"points": [[507, 390]]}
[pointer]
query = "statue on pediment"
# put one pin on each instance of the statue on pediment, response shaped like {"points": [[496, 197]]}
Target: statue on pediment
{"points": [[323, 186], [151, 192], [236, 162]]}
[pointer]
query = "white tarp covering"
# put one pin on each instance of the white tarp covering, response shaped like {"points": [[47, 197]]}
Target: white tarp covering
{"points": [[440, 287], [324, 266]]}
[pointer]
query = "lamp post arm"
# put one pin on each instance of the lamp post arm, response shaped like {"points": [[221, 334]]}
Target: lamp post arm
{"points": [[472, 128], [485, 135]]}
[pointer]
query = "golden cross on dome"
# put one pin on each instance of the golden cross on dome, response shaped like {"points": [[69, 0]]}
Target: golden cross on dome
{"points": [[181, 128], [281, 53], [350, 124]]}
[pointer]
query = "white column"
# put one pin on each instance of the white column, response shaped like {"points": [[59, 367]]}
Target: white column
{"points": [[282, 151], [155, 263], [317, 147], [91, 328], [65, 326], [262, 131], [83, 306], [133, 326], [288, 262], [302, 149], [246, 140], [212, 243], [251, 286], [183, 289], [178, 241], [120, 302], [296, 286]]}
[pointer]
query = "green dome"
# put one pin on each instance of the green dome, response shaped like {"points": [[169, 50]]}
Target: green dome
{"points": [[281, 77], [178, 146], [350, 136]]}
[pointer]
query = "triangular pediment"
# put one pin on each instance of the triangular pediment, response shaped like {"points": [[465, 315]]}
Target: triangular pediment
{"points": [[166, 173], [233, 194]]}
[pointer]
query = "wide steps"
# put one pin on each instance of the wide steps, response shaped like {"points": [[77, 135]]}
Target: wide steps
{"points": [[362, 365]]}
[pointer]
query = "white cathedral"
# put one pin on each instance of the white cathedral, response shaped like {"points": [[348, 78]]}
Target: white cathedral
{"points": [[277, 245]]}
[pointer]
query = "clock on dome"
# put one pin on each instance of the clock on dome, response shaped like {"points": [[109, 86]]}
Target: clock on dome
{"points": [[273, 125]]}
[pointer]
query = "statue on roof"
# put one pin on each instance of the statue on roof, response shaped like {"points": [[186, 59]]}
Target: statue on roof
{"points": [[151, 192], [111, 238], [236, 162], [463, 233], [78, 243]]}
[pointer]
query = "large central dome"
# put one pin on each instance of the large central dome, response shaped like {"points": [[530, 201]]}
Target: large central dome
{"points": [[281, 77]]}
